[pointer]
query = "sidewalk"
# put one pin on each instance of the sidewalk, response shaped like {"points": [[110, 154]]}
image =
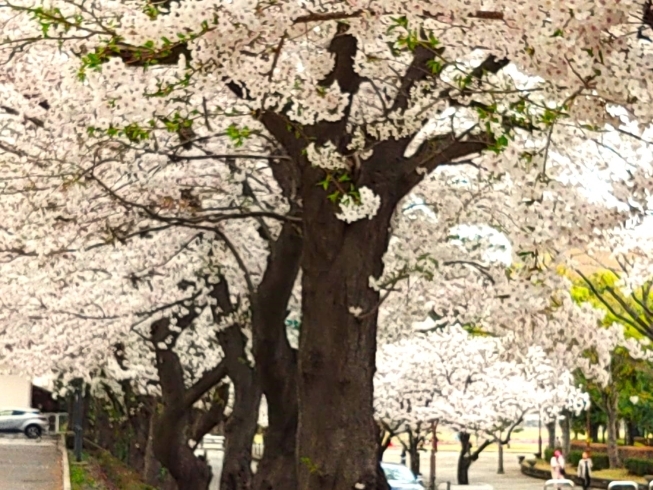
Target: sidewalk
{"points": [[29, 465]]}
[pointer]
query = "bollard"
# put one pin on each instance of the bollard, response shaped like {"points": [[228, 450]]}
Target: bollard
{"points": [[563, 483], [623, 485]]}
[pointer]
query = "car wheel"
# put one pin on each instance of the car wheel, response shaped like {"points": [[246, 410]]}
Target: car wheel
{"points": [[33, 431]]}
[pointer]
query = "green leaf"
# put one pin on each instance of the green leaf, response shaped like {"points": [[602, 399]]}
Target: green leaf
{"points": [[344, 178], [334, 196]]}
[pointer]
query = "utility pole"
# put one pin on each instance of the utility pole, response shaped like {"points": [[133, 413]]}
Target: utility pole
{"points": [[78, 408], [434, 449]]}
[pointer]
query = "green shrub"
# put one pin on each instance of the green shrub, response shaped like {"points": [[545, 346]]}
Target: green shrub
{"points": [[639, 467], [600, 462], [574, 457], [548, 454]]}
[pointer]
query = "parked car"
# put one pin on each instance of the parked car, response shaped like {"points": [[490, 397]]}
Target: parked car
{"points": [[29, 421], [401, 478]]}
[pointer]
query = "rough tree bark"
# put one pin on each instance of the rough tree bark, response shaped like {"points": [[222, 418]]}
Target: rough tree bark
{"points": [[551, 429], [170, 439], [242, 423], [467, 456], [415, 442], [276, 361], [336, 432], [612, 414]]}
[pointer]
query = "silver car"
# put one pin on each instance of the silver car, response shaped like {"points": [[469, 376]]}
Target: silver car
{"points": [[401, 478], [29, 421]]}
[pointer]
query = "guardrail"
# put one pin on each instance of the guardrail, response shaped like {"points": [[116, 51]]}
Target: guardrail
{"points": [[562, 483], [57, 422], [624, 485]]}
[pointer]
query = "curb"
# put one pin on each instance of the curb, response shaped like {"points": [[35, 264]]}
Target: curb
{"points": [[64, 462]]}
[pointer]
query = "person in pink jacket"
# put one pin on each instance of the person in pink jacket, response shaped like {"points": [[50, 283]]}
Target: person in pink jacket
{"points": [[558, 466]]}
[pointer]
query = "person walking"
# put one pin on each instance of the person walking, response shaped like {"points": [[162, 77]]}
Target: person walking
{"points": [[557, 466], [585, 470]]}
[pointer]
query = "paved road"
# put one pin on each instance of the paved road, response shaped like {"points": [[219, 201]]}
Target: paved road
{"points": [[29, 465], [482, 471]]}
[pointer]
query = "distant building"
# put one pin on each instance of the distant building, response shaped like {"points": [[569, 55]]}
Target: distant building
{"points": [[44, 401], [15, 391]]}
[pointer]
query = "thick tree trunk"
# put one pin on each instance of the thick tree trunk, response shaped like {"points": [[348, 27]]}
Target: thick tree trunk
{"points": [[173, 424], [551, 429], [415, 440], [500, 469], [151, 467], [594, 431], [242, 423], [613, 450], [632, 431], [414, 460], [276, 363], [464, 459], [337, 434], [172, 450], [565, 426]]}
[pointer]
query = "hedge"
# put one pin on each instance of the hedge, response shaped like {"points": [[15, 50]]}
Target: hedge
{"points": [[625, 452], [574, 457], [639, 467], [600, 462]]}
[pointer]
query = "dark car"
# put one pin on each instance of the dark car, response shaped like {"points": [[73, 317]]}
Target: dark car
{"points": [[401, 478]]}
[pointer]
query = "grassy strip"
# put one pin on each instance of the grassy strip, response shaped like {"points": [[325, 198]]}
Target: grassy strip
{"points": [[121, 476], [84, 475], [99, 470]]}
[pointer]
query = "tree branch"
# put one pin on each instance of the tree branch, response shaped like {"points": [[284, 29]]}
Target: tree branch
{"points": [[209, 419], [208, 380]]}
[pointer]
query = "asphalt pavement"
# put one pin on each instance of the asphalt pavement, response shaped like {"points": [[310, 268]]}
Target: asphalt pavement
{"points": [[29, 465]]}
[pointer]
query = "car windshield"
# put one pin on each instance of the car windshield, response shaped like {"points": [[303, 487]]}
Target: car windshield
{"points": [[398, 473]]}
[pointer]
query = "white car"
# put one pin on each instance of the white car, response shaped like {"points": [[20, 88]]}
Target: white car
{"points": [[29, 421]]}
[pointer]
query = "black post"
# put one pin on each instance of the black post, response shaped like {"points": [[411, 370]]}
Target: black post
{"points": [[78, 408], [539, 439]]}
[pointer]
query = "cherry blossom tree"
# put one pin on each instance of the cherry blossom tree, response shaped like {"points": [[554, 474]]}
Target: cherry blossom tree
{"points": [[462, 382], [341, 92]]}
